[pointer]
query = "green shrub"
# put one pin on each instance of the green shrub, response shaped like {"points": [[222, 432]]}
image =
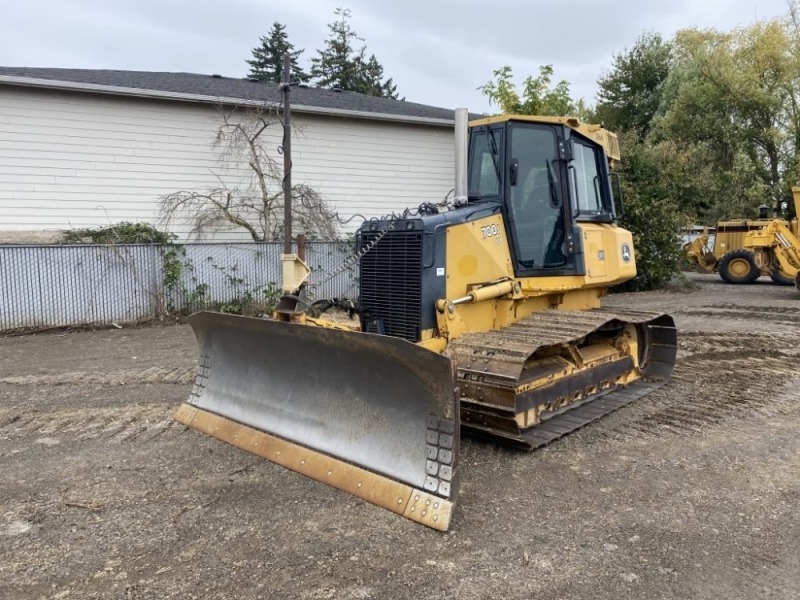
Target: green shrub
{"points": [[121, 233], [652, 213]]}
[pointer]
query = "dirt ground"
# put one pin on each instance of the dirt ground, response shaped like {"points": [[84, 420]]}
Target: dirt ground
{"points": [[692, 492]]}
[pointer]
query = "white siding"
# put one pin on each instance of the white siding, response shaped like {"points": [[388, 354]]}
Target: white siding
{"points": [[70, 160]]}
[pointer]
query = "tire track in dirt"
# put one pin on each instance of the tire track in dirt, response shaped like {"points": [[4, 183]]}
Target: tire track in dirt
{"points": [[719, 378], [775, 310], [151, 375], [119, 424], [699, 342], [773, 314]]}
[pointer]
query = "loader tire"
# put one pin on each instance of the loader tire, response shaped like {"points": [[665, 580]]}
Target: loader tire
{"points": [[780, 278], [738, 266]]}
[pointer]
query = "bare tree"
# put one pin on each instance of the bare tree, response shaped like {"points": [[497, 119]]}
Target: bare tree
{"points": [[253, 201]]}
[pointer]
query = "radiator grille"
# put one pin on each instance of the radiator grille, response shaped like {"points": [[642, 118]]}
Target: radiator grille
{"points": [[391, 282]]}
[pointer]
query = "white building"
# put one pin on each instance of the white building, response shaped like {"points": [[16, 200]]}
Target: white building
{"points": [[89, 148]]}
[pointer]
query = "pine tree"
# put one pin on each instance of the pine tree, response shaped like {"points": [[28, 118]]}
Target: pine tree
{"points": [[267, 63], [371, 80], [341, 65]]}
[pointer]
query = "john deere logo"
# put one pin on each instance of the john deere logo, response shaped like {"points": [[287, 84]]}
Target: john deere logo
{"points": [[626, 253]]}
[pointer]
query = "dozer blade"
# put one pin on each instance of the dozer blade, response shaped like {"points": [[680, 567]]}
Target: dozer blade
{"points": [[372, 415]]}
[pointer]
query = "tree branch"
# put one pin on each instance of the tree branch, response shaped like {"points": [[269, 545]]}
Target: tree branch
{"points": [[255, 208]]}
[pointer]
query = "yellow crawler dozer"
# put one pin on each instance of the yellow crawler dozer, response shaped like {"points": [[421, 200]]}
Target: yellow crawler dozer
{"points": [[483, 318]]}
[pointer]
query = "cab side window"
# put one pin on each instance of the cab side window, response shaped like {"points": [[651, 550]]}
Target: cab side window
{"points": [[589, 190], [484, 175]]}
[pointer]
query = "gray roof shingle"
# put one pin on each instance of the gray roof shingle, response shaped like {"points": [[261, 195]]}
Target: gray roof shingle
{"points": [[215, 86]]}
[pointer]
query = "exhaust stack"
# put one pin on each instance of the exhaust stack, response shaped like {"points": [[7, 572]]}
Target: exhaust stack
{"points": [[460, 191]]}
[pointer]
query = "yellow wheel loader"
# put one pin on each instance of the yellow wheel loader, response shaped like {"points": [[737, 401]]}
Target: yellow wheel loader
{"points": [[482, 318], [732, 254], [777, 247]]}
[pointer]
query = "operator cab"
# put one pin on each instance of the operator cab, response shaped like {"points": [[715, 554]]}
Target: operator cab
{"points": [[548, 178]]}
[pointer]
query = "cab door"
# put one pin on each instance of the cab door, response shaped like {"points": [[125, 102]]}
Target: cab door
{"points": [[538, 219]]}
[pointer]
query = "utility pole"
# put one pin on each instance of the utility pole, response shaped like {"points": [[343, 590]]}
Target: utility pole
{"points": [[287, 157], [295, 270]]}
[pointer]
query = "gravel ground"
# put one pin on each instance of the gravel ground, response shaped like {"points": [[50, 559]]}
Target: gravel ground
{"points": [[692, 492]]}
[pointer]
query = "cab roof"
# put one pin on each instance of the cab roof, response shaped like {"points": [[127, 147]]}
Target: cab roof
{"points": [[595, 133]]}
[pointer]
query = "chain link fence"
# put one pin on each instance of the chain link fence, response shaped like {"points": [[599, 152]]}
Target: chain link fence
{"points": [[87, 284]]}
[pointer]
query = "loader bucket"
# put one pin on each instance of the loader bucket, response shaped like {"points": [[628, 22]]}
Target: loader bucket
{"points": [[369, 414]]}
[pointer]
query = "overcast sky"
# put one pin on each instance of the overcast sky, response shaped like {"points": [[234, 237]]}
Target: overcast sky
{"points": [[437, 52]]}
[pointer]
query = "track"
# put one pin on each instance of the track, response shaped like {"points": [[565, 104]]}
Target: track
{"points": [[533, 382]]}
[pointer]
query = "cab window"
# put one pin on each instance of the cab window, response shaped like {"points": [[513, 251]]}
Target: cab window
{"points": [[484, 176], [535, 207], [588, 187]]}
